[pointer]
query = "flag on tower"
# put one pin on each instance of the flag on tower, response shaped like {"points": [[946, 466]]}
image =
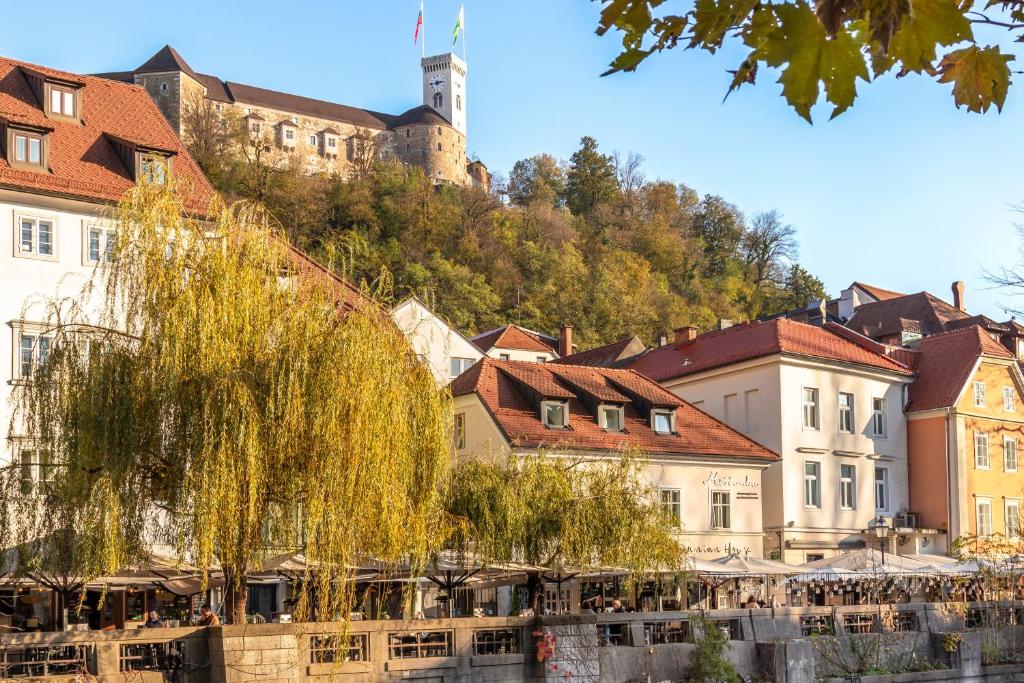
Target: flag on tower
{"points": [[419, 24], [460, 25]]}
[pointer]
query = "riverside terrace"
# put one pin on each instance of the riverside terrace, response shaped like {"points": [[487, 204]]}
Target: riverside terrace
{"points": [[877, 644]]}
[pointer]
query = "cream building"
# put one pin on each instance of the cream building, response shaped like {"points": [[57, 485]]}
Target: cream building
{"points": [[706, 475], [512, 342], [443, 348], [829, 402]]}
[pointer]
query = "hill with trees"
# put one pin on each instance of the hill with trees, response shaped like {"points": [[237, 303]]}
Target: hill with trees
{"points": [[589, 242]]}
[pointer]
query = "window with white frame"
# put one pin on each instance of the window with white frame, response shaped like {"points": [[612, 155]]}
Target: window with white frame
{"points": [[542, 359], [36, 237], [153, 168], [62, 101], [1009, 454], [1009, 400], [611, 418], [289, 133], [878, 422], [882, 489], [663, 421], [312, 140], [847, 486], [35, 471], [672, 504], [979, 394], [812, 484], [1012, 511], [33, 348], [457, 366], [810, 408], [981, 458], [332, 142], [721, 510], [460, 430], [555, 414], [504, 356], [845, 413], [99, 243], [983, 516]]}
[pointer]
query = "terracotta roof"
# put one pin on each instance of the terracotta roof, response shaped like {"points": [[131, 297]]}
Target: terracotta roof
{"points": [[877, 292], [515, 337], [83, 163], [944, 366], [420, 114], [748, 341], [517, 415], [607, 356], [982, 321], [349, 296], [888, 317], [166, 59]]}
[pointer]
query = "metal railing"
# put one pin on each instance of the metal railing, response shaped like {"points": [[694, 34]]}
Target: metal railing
{"points": [[420, 644], [44, 660], [498, 641], [161, 656]]}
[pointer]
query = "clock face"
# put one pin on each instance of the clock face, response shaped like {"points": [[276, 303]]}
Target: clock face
{"points": [[437, 83]]}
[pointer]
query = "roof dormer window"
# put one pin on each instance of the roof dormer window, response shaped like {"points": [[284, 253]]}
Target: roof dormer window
{"points": [[152, 168], [63, 101], [26, 148], [663, 421], [611, 418], [555, 414]]}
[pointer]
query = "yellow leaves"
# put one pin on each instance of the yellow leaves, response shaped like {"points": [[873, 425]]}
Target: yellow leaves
{"points": [[928, 25], [980, 77]]}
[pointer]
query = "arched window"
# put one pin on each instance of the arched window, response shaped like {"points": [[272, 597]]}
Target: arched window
{"points": [[458, 102], [438, 100], [439, 147]]}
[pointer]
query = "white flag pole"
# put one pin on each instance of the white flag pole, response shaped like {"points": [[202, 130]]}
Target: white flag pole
{"points": [[462, 14]]}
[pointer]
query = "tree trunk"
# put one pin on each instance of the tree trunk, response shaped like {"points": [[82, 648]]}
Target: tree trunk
{"points": [[236, 597], [535, 588]]}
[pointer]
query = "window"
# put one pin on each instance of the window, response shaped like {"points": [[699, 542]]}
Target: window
{"points": [[881, 489], [36, 471], [720, 512], [33, 350], [504, 356], [28, 148], [555, 414], [810, 408], [439, 147], [37, 238], [255, 128], [438, 100], [672, 504], [663, 421], [458, 102], [1012, 510], [845, 413], [99, 244], [542, 359], [1009, 402], [1010, 454], [981, 459], [979, 394], [460, 365], [878, 421], [153, 169], [460, 430], [313, 140], [848, 487], [62, 101], [332, 142], [407, 148], [812, 484], [408, 132], [611, 418], [440, 130], [983, 516], [752, 410], [163, 87]]}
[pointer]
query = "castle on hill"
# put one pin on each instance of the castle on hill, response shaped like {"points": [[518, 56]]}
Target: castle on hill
{"points": [[326, 136]]}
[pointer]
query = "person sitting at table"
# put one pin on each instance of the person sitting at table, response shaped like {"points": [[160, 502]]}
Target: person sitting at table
{"points": [[617, 606], [153, 620], [207, 617]]}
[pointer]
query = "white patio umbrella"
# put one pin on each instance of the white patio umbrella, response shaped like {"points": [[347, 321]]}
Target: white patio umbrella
{"points": [[822, 574], [865, 559], [754, 565]]}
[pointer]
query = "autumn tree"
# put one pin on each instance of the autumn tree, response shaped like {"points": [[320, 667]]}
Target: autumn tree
{"points": [[590, 178], [226, 396], [540, 178], [560, 513], [830, 45], [211, 135]]}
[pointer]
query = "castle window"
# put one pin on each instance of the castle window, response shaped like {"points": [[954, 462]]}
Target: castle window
{"points": [[312, 140], [163, 87], [438, 100], [440, 131], [255, 128], [408, 132], [458, 102], [289, 134], [407, 149], [332, 142], [439, 147]]}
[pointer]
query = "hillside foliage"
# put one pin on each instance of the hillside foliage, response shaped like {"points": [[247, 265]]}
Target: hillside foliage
{"points": [[588, 242]]}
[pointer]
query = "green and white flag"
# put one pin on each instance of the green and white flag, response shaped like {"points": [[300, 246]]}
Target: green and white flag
{"points": [[460, 25]]}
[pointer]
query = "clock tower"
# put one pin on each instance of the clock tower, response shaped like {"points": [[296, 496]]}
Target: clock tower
{"points": [[444, 88]]}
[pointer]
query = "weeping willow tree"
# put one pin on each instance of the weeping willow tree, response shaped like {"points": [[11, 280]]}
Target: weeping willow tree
{"points": [[213, 389], [563, 513]]}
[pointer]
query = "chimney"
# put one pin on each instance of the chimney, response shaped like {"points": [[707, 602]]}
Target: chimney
{"points": [[565, 341], [724, 323], [958, 296], [686, 334], [663, 340]]}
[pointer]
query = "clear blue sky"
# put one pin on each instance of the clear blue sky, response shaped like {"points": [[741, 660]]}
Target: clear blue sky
{"points": [[903, 191]]}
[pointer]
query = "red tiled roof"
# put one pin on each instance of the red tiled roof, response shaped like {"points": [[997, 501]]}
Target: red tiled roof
{"points": [[877, 292], [697, 433], [514, 337], [748, 341], [82, 161], [944, 366], [891, 316], [603, 356]]}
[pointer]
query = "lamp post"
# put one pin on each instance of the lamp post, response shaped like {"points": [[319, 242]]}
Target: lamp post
{"points": [[882, 531]]}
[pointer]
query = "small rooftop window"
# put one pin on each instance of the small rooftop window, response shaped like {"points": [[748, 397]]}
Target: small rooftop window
{"points": [[152, 168], [611, 418], [555, 414], [26, 148], [63, 101], [663, 421]]}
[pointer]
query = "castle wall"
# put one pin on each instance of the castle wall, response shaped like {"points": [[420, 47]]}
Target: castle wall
{"points": [[440, 150], [165, 89]]}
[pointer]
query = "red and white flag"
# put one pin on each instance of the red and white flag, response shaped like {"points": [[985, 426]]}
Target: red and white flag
{"points": [[419, 25]]}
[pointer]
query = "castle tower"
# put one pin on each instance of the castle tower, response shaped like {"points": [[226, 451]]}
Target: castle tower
{"points": [[444, 88]]}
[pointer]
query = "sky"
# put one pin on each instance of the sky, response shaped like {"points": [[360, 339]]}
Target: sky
{"points": [[903, 191]]}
